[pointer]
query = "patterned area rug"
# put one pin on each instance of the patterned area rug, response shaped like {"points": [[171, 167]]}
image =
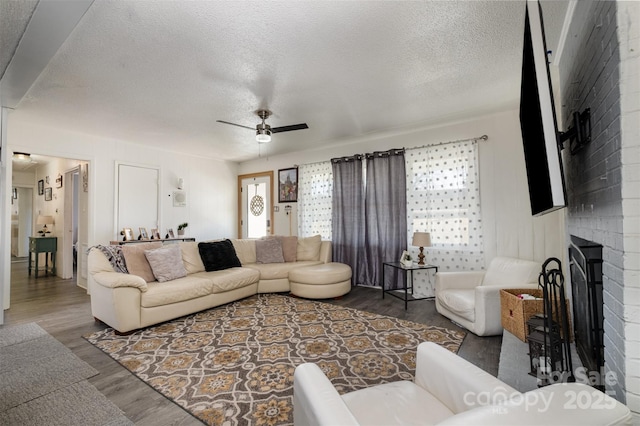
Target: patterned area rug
{"points": [[234, 364]]}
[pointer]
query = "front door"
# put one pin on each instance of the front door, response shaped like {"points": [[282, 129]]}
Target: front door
{"points": [[255, 205]]}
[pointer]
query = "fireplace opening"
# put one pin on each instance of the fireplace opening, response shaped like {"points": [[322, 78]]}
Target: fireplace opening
{"points": [[586, 286]]}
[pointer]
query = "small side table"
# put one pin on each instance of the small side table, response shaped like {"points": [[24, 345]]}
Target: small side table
{"points": [[46, 245], [408, 270]]}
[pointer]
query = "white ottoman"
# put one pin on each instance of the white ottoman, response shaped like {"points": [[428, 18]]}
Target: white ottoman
{"points": [[321, 281]]}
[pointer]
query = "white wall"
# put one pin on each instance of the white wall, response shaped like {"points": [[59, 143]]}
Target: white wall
{"points": [[210, 184], [509, 229]]}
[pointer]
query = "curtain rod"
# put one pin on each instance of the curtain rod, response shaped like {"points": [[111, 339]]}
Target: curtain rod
{"points": [[483, 137]]}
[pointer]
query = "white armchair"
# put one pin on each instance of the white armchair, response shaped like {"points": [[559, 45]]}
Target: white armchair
{"points": [[448, 390], [472, 298]]}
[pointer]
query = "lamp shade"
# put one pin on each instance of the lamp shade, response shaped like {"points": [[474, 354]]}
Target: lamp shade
{"points": [[421, 239], [44, 220]]}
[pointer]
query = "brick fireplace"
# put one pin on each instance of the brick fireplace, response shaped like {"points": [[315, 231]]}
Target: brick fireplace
{"points": [[598, 69]]}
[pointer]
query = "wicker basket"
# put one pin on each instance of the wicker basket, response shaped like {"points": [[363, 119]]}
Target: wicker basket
{"points": [[515, 312]]}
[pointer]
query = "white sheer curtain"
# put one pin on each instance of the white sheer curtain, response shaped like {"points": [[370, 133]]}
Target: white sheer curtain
{"points": [[315, 187], [443, 198]]}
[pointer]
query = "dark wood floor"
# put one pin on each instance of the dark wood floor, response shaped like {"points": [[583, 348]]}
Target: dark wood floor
{"points": [[63, 309]]}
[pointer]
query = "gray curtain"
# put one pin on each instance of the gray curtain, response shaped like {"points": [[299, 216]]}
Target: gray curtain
{"points": [[347, 218], [385, 218]]}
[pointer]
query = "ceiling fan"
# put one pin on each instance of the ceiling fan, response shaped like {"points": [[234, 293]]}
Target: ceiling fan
{"points": [[263, 130]]}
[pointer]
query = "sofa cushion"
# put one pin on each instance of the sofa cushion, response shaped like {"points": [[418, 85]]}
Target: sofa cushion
{"points": [[218, 255], [399, 403], [459, 301], [166, 262], [137, 263], [191, 257], [269, 250], [186, 288], [289, 247], [245, 250], [229, 279], [309, 248], [274, 271]]}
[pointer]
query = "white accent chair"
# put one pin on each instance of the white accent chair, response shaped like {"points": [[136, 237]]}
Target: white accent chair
{"points": [[448, 390], [472, 298]]}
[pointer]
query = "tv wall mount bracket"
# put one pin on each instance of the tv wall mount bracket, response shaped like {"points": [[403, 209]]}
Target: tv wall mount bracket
{"points": [[579, 133]]}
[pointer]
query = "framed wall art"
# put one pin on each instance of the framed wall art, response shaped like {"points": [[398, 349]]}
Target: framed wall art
{"points": [[288, 185], [41, 187], [85, 177], [59, 181], [48, 194]]}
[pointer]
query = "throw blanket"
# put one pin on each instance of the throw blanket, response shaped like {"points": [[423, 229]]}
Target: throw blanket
{"points": [[114, 254]]}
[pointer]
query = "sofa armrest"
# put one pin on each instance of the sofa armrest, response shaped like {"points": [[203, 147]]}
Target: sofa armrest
{"points": [[566, 404], [461, 280], [118, 279], [488, 311], [316, 401], [455, 381]]}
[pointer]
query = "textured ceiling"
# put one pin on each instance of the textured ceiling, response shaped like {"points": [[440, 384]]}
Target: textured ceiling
{"points": [[14, 17], [162, 72]]}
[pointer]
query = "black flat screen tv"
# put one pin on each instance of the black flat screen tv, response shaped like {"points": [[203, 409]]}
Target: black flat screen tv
{"points": [[538, 120]]}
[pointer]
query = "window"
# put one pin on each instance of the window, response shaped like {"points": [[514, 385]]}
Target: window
{"points": [[443, 198], [315, 186]]}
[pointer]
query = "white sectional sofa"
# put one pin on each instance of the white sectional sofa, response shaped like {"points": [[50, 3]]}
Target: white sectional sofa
{"points": [[181, 285]]}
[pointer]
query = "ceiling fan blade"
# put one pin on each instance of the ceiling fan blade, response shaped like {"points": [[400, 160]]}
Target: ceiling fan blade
{"points": [[234, 124], [289, 128]]}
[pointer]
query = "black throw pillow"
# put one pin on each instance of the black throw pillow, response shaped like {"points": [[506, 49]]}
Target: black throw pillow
{"points": [[218, 255]]}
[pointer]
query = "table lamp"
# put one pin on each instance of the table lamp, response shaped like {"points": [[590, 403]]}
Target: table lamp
{"points": [[422, 240], [44, 220]]}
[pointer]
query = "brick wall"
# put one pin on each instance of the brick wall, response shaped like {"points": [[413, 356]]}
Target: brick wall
{"points": [[602, 204], [628, 17]]}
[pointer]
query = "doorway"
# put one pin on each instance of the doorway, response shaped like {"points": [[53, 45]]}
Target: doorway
{"points": [[255, 205], [58, 188]]}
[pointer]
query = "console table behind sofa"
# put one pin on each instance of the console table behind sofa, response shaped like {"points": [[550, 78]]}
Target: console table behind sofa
{"points": [[162, 240]]}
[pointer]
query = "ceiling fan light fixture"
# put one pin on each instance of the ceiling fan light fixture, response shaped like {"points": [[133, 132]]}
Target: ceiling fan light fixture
{"points": [[263, 133], [263, 137]]}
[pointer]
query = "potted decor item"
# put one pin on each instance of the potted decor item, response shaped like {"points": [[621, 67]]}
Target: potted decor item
{"points": [[406, 259], [181, 228]]}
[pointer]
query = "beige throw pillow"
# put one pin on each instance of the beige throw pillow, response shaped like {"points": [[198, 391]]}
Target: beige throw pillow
{"points": [[137, 263], [245, 250], [166, 263], [309, 248], [269, 250], [289, 247], [191, 257]]}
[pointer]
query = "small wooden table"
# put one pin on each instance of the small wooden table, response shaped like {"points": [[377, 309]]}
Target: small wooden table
{"points": [[407, 270], [46, 245]]}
